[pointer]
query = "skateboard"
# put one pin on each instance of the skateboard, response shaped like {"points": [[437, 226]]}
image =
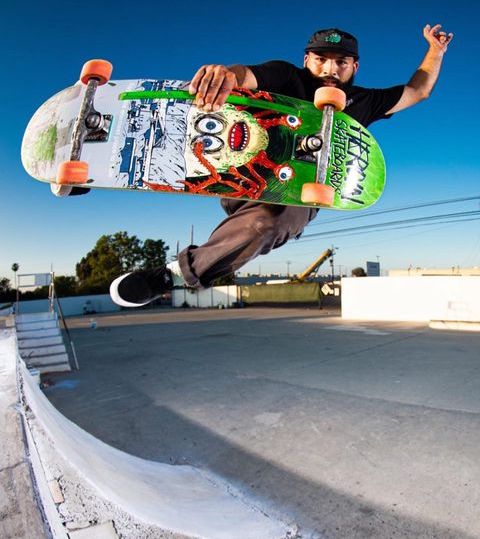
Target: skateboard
{"points": [[147, 135]]}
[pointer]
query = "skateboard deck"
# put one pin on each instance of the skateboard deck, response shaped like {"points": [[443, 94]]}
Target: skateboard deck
{"points": [[154, 139]]}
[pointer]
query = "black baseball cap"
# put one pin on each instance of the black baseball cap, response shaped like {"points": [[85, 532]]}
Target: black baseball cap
{"points": [[333, 40]]}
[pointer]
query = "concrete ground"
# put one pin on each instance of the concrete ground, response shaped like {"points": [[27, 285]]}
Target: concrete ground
{"points": [[351, 430], [19, 513]]}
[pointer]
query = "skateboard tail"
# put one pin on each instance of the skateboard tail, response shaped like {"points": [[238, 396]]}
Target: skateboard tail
{"points": [[47, 138]]}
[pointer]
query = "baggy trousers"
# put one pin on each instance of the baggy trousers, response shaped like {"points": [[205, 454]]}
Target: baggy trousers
{"points": [[251, 229]]}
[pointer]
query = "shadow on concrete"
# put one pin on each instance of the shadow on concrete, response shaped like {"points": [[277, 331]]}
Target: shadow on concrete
{"points": [[187, 392]]}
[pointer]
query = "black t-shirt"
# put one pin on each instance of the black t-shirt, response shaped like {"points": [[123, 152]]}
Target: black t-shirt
{"points": [[366, 105]]}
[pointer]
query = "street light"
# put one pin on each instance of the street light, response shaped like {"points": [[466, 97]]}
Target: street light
{"points": [[15, 268]]}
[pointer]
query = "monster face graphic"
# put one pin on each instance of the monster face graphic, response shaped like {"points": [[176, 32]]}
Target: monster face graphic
{"points": [[230, 139]]}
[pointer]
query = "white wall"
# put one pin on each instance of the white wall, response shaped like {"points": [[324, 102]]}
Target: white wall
{"points": [[71, 306], [411, 298], [217, 296]]}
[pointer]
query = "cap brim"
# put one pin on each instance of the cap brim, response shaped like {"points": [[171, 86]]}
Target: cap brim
{"points": [[317, 50]]}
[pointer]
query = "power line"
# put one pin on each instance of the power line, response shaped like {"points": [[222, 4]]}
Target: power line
{"points": [[368, 213], [371, 228], [419, 225]]}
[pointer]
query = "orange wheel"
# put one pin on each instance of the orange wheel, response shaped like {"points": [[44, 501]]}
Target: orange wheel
{"points": [[72, 172], [328, 95], [96, 69], [318, 193]]}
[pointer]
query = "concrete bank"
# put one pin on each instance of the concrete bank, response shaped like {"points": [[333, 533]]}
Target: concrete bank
{"points": [[82, 484], [20, 510]]}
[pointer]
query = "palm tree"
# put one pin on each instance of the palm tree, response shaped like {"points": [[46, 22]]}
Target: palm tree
{"points": [[15, 268]]}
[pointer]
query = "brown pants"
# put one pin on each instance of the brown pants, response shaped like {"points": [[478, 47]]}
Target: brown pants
{"points": [[251, 229]]}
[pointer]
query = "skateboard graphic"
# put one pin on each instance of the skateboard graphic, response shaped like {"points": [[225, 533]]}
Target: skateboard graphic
{"points": [[148, 135]]}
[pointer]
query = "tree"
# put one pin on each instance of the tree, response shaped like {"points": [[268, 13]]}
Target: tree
{"points": [[6, 292], [65, 285], [358, 272], [40, 292], [154, 253], [116, 254], [100, 266]]}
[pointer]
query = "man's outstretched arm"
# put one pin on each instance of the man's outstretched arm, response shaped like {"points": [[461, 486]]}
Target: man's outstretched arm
{"points": [[213, 83], [423, 80]]}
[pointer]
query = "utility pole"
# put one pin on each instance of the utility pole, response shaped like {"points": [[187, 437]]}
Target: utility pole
{"points": [[288, 268], [332, 263]]}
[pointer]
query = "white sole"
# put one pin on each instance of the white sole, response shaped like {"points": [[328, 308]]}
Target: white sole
{"points": [[116, 297]]}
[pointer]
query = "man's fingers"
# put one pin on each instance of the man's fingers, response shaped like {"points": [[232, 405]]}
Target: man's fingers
{"points": [[196, 80], [436, 36], [212, 84], [441, 36], [228, 83], [223, 93], [219, 87], [431, 30], [204, 87], [216, 85]]}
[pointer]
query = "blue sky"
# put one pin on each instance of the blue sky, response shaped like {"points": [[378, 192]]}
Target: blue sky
{"points": [[431, 150]]}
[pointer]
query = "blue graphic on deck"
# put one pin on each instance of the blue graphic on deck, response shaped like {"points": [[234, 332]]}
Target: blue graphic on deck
{"points": [[155, 140]]}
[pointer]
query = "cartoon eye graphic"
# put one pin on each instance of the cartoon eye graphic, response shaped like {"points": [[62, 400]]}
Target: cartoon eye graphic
{"points": [[293, 121], [210, 143], [211, 125], [285, 173]]}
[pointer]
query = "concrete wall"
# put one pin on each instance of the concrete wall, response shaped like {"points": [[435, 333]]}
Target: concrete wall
{"points": [[218, 296], [418, 299], [71, 306]]}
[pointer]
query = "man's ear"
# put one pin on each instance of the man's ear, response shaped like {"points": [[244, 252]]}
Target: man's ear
{"points": [[305, 58], [356, 65]]}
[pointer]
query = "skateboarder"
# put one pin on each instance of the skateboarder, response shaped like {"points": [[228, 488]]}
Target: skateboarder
{"points": [[251, 228]]}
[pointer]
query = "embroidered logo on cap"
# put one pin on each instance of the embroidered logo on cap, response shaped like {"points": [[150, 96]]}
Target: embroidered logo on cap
{"points": [[333, 38]]}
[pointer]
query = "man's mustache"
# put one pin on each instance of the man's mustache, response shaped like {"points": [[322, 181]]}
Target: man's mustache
{"points": [[333, 80]]}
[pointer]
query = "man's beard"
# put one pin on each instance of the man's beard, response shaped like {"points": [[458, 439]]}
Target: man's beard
{"points": [[338, 84]]}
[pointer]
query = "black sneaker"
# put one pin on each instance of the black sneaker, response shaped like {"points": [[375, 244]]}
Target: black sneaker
{"points": [[141, 287]]}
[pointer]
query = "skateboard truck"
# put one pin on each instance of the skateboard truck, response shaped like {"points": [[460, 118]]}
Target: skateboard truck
{"points": [[89, 125], [329, 100], [311, 144]]}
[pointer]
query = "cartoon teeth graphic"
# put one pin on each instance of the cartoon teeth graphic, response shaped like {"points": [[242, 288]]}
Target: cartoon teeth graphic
{"points": [[239, 137]]}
